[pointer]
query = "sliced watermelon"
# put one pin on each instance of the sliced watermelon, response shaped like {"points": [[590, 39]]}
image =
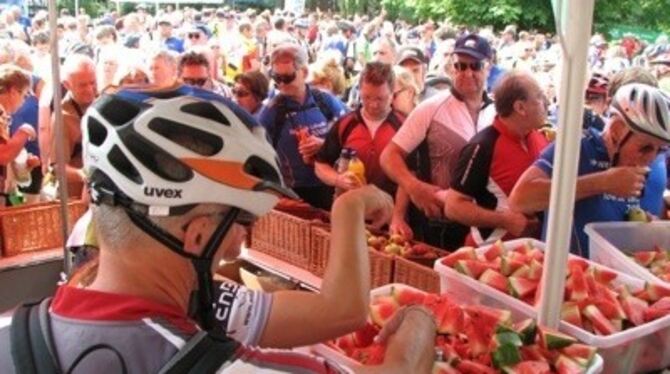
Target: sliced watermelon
{"points": [[471, 268], [372, 355], [581, 353], [553, 339], [656, 291], [464, 253], [346, 343], [449, 318], [495, 251], [608, 308], [602, 275], [444, 368], [523, 248], [407, 296], [494, 279], [509, 265], [506, 355], [365, 336], [472, 367], [600, 323], [509, 337], [521, 272], [577, 262], [634, 308], [644, 258], [566, 365], [533, 352], [527, 330], [521, 287], [570, 312], [536, 254], [577, 285], [652, 313], [528, 367], [382, 309], [535, 271], [484, 316]]}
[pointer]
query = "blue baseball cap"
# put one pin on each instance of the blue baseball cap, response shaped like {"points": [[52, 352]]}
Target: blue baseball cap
{"points": [[474, 46]]}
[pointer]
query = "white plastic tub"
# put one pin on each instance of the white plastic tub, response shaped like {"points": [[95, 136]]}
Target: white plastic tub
{"points": [[611, 242], [639, 349], [333, 355]]}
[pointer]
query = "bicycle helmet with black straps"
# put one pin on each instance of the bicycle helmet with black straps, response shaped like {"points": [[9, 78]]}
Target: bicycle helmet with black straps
{"points": [[645, 109], [166, 149], [163, 152], [598, 83]]}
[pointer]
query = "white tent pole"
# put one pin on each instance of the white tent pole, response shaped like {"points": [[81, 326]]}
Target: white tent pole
{"points": [[573, 23], [57, 130], [76, 8]]}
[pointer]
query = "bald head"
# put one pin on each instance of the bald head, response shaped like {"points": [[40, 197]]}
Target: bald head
{"points": [[79, 78]]}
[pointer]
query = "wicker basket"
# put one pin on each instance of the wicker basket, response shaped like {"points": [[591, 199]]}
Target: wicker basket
{"points": [[416, 275], [35, 227], [284, 237], [381, 265]]}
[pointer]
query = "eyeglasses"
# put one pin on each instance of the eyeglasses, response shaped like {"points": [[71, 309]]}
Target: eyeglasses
{"points": [[198, 82], [474, 66], [194, 35], [241, 93], [283, 78]]}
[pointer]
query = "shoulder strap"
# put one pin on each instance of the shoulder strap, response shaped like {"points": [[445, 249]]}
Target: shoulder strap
{"points": [[280, 119], [30, 339], [320, 100], [202, 354]]}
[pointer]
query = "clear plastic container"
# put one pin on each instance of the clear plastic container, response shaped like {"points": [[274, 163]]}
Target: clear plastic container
{"points": [[333, 355], [610, 243], [638, 349]]}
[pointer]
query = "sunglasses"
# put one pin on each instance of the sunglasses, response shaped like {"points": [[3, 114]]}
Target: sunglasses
{"points": [[241, 93], [474, 66], [194, 35], [283, 78], [198, 82]]}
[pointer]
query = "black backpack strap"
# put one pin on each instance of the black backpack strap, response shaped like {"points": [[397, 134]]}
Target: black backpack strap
{"points": [[280, 119], [320, 100], [202, 354], [30, 339]]}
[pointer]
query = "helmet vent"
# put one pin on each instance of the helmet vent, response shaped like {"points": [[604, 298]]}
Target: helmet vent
{"points": [[121, 163], [97, 133], [116, 111], [198, 141], [633, 95], [206, 110], [157, 160], [261, 169], [645, 100], [659, 117]]}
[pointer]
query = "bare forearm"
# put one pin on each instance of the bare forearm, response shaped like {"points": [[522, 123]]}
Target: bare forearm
{"points": [[401, 203], [533, 195], [469, 213], [12, 148], [325, 173], [393, 164]]}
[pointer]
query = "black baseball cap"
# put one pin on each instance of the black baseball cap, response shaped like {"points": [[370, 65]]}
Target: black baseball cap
{"points": [[474, 46]]}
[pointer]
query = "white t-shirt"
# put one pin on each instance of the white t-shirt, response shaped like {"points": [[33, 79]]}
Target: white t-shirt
{"points": [[446, 123]]}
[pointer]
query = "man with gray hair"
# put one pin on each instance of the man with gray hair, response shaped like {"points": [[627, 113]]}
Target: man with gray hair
{"points": [[163, 67], [297, 120], [80, 81]]}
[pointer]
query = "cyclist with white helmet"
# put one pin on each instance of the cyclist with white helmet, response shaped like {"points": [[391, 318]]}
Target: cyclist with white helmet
{"points": [[612, 165], [175, 177]]}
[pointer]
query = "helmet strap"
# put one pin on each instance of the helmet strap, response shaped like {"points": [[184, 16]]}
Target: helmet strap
{"points": [[619, 145]]}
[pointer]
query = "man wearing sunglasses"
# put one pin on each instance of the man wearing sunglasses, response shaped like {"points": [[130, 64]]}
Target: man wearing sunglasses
{"points": [[194, 70], [299, 109], [613, 166], [438, 128]]}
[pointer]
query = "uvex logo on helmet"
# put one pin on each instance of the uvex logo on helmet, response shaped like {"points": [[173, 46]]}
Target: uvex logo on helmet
{"points": [[167, 193]]}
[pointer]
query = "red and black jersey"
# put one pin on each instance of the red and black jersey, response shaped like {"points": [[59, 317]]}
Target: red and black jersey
{"points": [[490, 165], [351, 132]]}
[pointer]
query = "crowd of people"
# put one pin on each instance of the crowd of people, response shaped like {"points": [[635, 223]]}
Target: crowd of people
{"points": [[185, 126]]}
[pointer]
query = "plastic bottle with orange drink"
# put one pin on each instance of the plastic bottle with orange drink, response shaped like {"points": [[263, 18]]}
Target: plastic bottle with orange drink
{"points": [[356, 167]]}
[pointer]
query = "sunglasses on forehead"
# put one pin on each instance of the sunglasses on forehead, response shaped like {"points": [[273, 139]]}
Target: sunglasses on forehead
{"points": [[283, 78], [474, 66]]}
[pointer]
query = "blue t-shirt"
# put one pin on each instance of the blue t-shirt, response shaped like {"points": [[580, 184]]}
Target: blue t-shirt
{"points": [[652, 195], [27, 113], [295, 172], [593, 158]]}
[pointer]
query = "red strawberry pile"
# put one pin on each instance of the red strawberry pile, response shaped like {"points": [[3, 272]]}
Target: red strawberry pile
{"points": [[591, 301], [397, 245], [472, 339], [657, 261]]}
